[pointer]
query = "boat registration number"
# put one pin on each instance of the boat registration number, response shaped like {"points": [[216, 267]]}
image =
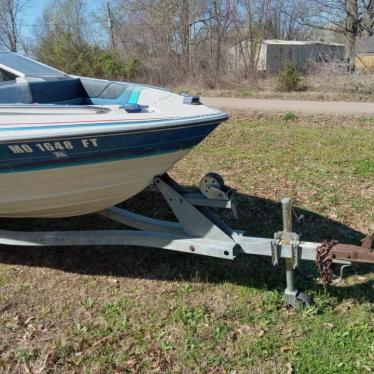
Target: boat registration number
{"points": [[64, 145]]}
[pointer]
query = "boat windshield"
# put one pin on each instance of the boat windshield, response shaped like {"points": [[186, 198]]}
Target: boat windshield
{"points": [[18, 65], [5, 76]]}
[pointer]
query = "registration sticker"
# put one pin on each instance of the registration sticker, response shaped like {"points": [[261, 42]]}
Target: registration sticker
{"points": [[56, 147]]}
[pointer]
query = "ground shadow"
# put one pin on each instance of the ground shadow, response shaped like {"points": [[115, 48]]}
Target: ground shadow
{"points": [[258, 217]]}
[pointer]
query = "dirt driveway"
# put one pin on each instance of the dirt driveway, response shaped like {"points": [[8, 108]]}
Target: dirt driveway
{"points": [[281, 106]]}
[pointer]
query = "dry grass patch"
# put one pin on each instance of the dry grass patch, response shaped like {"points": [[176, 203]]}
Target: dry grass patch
{"points": [[324, 84]]}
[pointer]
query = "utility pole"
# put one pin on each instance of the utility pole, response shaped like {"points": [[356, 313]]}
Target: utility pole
{"points": [[210, 40], [111, 26]]}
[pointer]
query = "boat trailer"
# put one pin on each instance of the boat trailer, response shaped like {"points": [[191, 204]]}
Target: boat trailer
{"points": [[200, 231]]}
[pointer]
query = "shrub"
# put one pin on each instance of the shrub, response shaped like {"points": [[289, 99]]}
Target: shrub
{"points": [[81, 58], [289, 78], [289, 116]]}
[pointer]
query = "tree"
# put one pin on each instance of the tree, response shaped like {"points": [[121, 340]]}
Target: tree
{"points": [[10, 23], [69, 47], [281, 21], [250, 22], [168, 35], [349, 17], [181, 40]]}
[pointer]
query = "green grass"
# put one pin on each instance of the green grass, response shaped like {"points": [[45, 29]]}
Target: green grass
{"points": [[100, 310], [364, 168], [366, 120]]}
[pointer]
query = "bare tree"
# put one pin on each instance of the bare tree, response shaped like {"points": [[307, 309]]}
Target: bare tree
{"points": [[220, 28], [250, 20], [11, 23], [349, 17], [282, 22], [164, 34], [144, 28], [66, 17], [63, 37]]}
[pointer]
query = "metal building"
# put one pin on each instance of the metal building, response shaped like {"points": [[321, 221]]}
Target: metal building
{"points": [[274, 54]]}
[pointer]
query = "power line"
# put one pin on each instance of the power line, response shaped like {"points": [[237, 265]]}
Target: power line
{"points": [[39, 25]]}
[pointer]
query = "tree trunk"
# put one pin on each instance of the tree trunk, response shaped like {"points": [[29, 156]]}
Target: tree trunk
{"points": [[352, 24], [350, 46], [185, 34]]}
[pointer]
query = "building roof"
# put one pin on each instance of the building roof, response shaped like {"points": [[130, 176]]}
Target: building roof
{"points": [[299, 42]]}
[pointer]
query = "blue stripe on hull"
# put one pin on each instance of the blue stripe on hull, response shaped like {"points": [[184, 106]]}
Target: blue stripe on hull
{"points": [[68, 151], [162, 122]]}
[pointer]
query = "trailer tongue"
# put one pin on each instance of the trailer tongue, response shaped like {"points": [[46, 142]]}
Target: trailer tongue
{"points": [[200, 231]]}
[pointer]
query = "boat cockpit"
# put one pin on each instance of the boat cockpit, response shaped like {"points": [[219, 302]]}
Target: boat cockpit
{"points": [[24, 81]]}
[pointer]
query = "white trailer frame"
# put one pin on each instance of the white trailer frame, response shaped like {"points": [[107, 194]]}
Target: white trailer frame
{"points": [[198, 231]]}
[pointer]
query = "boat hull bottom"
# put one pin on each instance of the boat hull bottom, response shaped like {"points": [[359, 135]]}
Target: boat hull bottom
{"points": [[77, 190]]}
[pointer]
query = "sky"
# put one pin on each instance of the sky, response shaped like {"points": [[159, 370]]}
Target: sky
{"points": [[34, 12]]}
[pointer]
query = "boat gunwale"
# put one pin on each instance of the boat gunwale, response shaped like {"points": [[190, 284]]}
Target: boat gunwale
{"points": [[165, 125], [96, 108]]}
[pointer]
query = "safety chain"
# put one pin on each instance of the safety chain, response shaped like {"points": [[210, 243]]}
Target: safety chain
{"points": [[324, 260]]}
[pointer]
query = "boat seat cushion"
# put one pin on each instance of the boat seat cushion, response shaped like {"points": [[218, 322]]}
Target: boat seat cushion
{"points": [[71, 91], [64, 91], [103, 92]]}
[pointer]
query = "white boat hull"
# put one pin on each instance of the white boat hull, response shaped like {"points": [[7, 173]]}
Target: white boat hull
{"points": [[73, 145], [77, 190]]}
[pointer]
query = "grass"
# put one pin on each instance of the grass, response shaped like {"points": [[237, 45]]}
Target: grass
{"points": [[364, 168], [268, 91], [323, 86], [100, 310]]}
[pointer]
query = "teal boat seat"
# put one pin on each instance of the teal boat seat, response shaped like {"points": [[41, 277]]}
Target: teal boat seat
{"points": [[70, 91]]}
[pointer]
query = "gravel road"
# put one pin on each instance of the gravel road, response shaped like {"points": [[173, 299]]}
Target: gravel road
{"points": [[281, 106]]}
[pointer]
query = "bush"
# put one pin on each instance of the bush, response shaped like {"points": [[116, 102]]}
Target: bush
{"points": [[289, 116], [81, 58], [289, 78]]}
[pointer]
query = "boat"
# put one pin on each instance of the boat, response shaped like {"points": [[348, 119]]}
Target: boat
{"points": [[73, 145]]}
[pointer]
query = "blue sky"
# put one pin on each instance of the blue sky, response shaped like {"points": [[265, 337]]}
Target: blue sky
{"points": [[35, 9], [33, 12]]}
